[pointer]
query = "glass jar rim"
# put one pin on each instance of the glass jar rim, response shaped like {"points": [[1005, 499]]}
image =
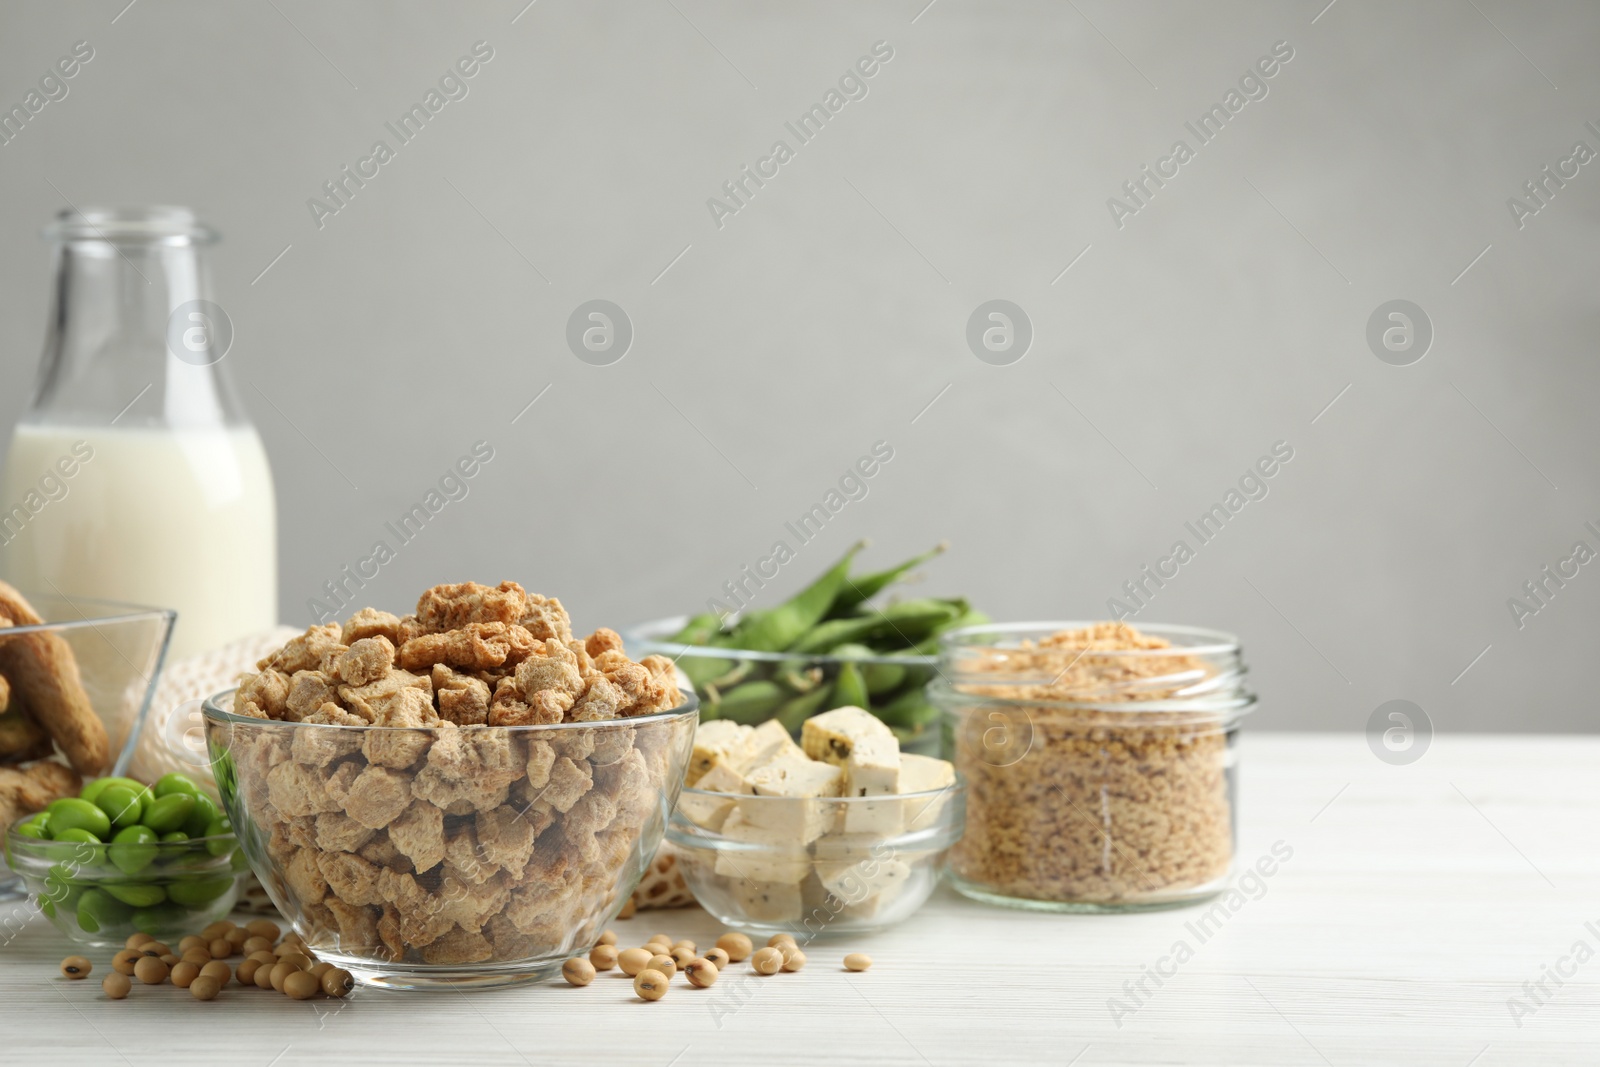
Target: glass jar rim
{"points": [[1213, 642], [1218, 688], [156, 224]]}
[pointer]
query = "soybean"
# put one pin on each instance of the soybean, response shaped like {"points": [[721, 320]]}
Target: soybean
{"points": [[578, 971], [650, 985], [151, 971], [663, 963], [736, 945], [633, 961], [116, 985], [604, 957], [700, 972], [205, 987], [337, 982], [184, 973], [301, 985], [717, 957], [76, 967], [857, 961], [793, 959], [767, 961]]}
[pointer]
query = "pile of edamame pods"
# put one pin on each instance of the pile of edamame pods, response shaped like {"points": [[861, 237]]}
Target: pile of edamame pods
{"points": [[838, 648]]}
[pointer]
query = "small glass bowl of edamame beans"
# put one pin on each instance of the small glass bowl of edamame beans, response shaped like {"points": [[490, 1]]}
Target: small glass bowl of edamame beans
{"points": [[123, 857]]}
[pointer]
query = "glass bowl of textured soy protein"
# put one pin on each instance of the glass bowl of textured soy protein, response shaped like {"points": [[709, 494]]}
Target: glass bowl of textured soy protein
{"points": [[1101, 761]]}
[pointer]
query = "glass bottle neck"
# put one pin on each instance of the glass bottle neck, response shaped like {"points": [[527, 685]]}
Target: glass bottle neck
{"points": [[129, 340]]}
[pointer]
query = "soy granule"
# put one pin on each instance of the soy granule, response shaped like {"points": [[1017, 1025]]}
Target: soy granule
{"points": [[1106, 807]]}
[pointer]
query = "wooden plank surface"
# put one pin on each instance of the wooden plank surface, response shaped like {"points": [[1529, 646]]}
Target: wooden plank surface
{"points": [[1417, 902]]}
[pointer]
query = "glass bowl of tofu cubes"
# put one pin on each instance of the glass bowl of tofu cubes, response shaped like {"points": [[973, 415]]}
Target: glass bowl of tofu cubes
{"points": [[840, 834]]}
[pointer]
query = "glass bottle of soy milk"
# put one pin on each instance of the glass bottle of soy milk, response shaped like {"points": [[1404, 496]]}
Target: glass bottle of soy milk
{"points": [[135, 476]]}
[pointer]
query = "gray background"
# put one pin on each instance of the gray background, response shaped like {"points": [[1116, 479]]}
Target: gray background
{"points": [[830, 311]]}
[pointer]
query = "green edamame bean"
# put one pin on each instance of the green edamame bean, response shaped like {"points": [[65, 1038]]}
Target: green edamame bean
{"points": [[37, 827], [121, 805], [238, 863], [204, 814], [176, 837], [198, 893], [218, 843], [137, 895], [133, 849], [74, 813], [158, 920], [77, 835], [91, 792], [176, 783], [169, 812], [97, 910]]}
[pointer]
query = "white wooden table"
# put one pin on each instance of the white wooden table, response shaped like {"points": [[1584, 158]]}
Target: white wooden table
{"points": [[1417, 902]]}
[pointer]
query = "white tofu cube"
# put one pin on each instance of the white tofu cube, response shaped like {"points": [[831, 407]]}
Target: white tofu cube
{"points": [[770, 902], [768, 742], [923, 774], [802, 815], [717, 741], [712, 812], [779, 858], [854, 883], [832, 736]]}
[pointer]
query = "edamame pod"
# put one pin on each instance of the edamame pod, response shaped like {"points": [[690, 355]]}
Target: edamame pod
{"points": [[848, 688], [909, 709], [777, 628], [796, 711], [863, 588], [698, 630], [752, 702]]}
